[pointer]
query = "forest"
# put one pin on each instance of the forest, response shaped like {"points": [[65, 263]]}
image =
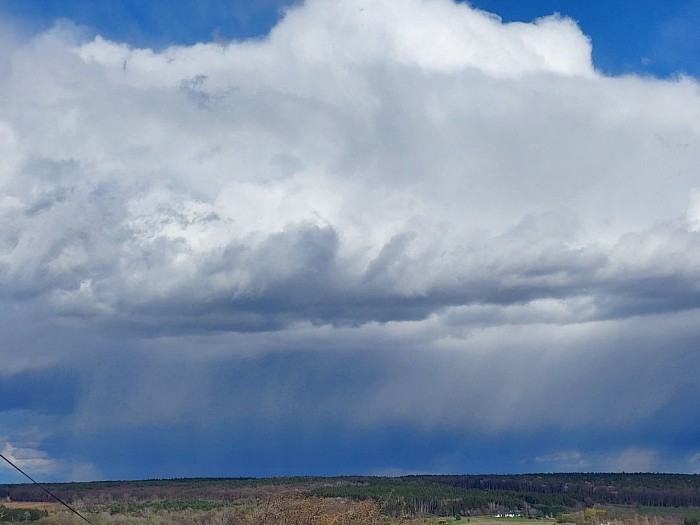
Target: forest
{"points": [[582, 499]]}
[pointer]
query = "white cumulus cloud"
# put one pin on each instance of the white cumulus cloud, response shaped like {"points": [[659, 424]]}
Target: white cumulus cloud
{"points": [[376, 173]]}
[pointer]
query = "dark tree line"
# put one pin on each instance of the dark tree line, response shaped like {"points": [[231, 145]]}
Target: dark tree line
{"points": [[532, 495], [661, 490]]}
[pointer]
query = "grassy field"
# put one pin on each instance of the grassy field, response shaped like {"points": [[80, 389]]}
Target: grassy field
{"points": [[482, 520], [283, 511], [685, 512], [42, 505]]}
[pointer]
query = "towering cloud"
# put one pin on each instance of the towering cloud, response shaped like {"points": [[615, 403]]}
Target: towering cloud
{"points": [[457, 220]]}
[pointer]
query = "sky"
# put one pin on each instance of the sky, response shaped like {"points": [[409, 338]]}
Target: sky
{"points": [[348, 237]]}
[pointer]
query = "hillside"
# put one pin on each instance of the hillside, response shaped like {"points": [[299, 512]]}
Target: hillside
{"points": [[527, 496]]}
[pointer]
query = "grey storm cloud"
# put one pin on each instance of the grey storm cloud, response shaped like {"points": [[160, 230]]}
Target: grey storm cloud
{"points": [[369, 177]]}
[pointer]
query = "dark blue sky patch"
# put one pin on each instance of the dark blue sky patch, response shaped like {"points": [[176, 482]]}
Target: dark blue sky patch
{"points": [[52, 390], [331, 449]]}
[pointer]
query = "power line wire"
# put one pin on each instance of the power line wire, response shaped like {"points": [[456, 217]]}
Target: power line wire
{"points": [[46, 490]]}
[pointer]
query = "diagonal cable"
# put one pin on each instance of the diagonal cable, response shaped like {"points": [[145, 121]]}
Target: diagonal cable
{"points": [[45, 489]]}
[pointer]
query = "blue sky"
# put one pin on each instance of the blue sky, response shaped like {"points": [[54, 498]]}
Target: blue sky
{"points": [[349, 237], [644, 37]]}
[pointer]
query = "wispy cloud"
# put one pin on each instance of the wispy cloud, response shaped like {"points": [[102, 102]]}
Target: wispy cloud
{"points": [[31, 460]]}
